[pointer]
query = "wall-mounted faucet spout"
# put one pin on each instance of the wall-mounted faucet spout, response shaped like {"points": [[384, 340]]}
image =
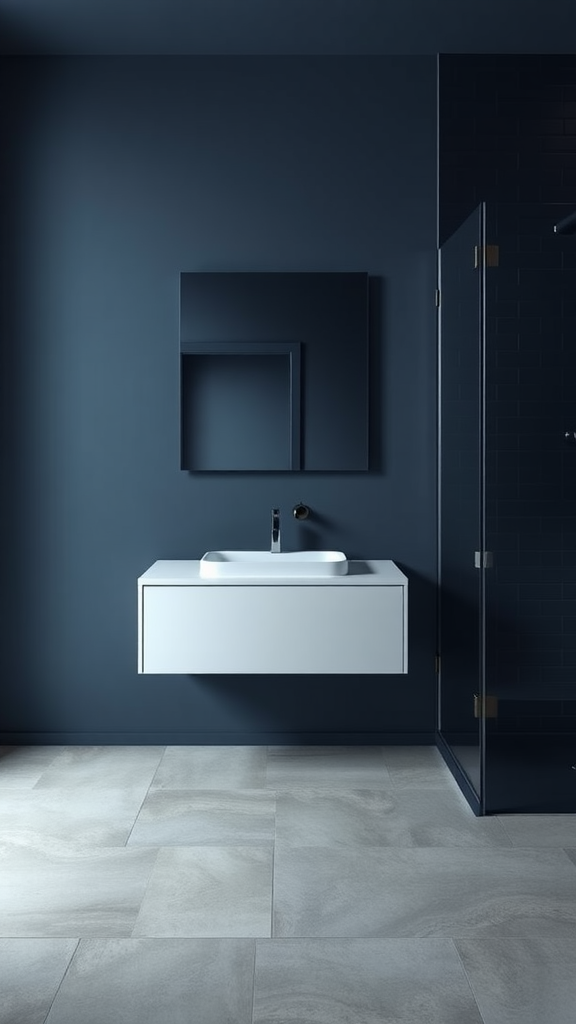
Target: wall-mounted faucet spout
{"points": [[275, 543]]}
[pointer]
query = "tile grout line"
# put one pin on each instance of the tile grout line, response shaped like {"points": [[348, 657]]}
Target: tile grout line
{"points": [[136, 816], [48, 767], [68, 966], [273, 867], [144, 798], [144, 894], [253, 1007], [565, 850], [468, 982], [506, 832]]}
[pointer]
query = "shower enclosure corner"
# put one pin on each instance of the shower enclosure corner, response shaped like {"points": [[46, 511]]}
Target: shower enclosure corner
{"points": [[507, 518]]}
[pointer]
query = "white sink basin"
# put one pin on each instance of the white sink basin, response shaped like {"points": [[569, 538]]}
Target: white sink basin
{"points": [[215, 565]]}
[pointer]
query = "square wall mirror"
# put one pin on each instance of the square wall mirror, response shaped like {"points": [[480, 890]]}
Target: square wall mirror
{"points": [[274, 371]]}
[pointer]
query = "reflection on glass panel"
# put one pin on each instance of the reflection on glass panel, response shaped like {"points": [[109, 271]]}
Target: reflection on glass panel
{"points": [[460, 378]]}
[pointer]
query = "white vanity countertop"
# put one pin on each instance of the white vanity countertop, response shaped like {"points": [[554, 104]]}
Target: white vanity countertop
{"points": [[368, 573]]}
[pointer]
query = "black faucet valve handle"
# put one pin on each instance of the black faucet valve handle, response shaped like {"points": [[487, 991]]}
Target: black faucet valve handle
{"points": [[300, 511]]}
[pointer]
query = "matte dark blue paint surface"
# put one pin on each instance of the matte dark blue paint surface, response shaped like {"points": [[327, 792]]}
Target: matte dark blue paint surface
{"points": [[300, 27], [117, 174]]}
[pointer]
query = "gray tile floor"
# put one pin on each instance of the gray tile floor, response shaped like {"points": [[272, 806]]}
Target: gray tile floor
{"points": [[279, 885]]}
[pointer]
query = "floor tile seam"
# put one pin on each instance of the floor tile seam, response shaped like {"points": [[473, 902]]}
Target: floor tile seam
{"points": [[66, 970], [468, 850], [202, 790], [286, 848], [266, 845], [82, 791], [352, 939], [566, 852], [52, 761], [286, 845], [272, 886], [88, 790], [499, 818], [454, 941], [384, 939], [137, 815], [145, 891], [330, 789], [157, 769], [209, 844], [328, 786], [453, 935], [74, 854], [332, 793], [253, 996], [539, 847], [552, 848], [42, 937], [445, 786]]}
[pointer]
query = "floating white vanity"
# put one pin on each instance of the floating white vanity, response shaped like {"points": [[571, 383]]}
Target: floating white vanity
{"points": [[192, 624]]}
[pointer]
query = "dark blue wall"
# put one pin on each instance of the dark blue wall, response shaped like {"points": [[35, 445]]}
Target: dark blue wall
{"points": [[119, 173]]}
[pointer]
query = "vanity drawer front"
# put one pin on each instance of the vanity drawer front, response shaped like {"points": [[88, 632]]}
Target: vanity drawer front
{"points": [[276, 629]]}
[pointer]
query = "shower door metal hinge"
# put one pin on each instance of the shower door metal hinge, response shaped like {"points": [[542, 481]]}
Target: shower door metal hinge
{"points": [[483, 559], [437, 297], [485, 707], [486, 256]]}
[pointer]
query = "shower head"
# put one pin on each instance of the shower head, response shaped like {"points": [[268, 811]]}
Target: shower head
{"points": [[566, 226]]}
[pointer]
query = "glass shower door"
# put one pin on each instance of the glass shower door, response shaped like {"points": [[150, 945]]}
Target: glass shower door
{"points": [[461, 503]]}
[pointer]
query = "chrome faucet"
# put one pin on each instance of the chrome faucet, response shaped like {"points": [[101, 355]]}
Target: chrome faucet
{"points": [[275, 542]]}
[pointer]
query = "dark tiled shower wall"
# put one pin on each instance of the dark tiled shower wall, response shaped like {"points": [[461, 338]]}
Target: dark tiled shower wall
{"points": [[533, 716], [508, 137]]}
